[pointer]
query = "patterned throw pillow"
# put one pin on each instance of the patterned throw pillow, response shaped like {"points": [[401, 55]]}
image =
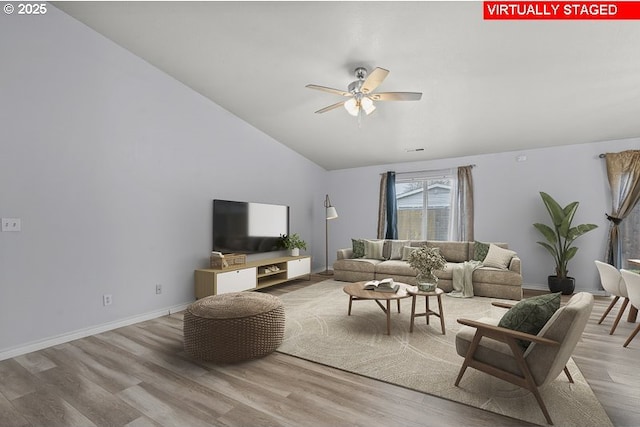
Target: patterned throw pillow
{"points": [[531, 314], [498, 257], [373, 249], [480, 250], [358, 248]]}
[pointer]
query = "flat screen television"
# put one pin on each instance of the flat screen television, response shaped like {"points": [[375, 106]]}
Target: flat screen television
{"points": [[243, 227]]}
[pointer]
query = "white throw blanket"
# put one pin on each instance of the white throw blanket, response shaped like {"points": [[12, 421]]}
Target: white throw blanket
{"points": [[462, 274]]}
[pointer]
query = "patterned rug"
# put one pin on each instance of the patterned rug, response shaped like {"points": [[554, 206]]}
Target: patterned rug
{"points": [[318, 329]]}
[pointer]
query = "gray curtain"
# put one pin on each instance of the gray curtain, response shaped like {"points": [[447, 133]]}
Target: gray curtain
{"points": [[382, 207], [465, 204], [623, 172], [388, 207]]}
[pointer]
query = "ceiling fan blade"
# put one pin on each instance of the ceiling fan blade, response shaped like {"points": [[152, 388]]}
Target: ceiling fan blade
{"points": [[396, 96], [330, 90], [374, 79], [330, 107]]}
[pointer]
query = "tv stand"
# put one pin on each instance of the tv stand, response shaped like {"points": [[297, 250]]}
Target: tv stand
{"points": [[249, 276]]}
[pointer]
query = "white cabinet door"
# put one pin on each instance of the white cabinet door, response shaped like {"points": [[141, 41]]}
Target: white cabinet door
{"points": [[236, 280], [298, 267]]}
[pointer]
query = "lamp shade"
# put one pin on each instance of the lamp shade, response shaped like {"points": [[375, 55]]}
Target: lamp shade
{"points": [[352, 106], [332, 213]]}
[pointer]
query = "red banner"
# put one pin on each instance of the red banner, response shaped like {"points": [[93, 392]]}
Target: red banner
{"points": [[546, 10]]}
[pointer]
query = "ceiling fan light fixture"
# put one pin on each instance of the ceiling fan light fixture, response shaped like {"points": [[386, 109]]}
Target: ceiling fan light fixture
{"points": [[361, 93], [355, 104], [352, 107], [367, 105]]}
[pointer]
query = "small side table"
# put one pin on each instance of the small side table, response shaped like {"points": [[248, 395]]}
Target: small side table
{"points": [[417, 293]]}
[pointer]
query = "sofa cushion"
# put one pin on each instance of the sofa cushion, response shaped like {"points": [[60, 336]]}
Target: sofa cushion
{"points": [[360, 265], [496, 276], [396, 248], [447, 272], [452, 251], [358, 248], [498, 257], [395, 267], [531, 314], [373, 249]]}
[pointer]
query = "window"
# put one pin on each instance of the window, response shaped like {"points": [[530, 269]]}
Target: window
{"points": [[426, 208], [630, 237]]}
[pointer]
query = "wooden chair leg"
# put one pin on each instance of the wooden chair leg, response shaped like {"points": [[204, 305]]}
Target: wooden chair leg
{"points": [[632, 336], [613, 302], [469, 356], [619, 316], [527, 378]]}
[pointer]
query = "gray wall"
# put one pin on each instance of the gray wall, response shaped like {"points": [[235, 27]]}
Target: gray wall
{"points": [[112, 167], [507, 202]]}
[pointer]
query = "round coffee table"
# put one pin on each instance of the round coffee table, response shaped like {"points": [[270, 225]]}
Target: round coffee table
{"points": [[357, 292]]}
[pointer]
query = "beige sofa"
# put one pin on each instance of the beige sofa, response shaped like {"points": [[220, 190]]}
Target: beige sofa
{"points": [[487, 281]]}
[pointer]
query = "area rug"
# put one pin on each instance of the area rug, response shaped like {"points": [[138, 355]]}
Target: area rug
{"points": [[318, 329]]}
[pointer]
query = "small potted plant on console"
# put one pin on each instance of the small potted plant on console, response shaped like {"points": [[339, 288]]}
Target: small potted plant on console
{"points": [[293, 242]]}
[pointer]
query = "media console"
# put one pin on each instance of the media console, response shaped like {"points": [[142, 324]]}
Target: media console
{"points": [[252, 275]]}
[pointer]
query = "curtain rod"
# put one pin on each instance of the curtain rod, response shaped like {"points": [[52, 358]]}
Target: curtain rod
{"points": [[602, 156], [431, 170]]}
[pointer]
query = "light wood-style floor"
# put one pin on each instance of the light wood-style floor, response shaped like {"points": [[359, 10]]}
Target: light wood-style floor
{"points": [[139, 376]]}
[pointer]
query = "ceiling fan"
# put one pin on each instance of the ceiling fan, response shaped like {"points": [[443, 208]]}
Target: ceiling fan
{"points": [[360, 93]]}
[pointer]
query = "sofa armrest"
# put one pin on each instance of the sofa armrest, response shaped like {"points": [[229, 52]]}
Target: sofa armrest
{"points": [[515, 265], [346, 253]]}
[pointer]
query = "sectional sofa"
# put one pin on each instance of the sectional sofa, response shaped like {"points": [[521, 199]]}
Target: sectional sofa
{"points": [[504, 281]]}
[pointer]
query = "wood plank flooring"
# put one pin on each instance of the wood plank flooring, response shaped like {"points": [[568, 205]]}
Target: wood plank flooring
{"points": [[139, 376]]}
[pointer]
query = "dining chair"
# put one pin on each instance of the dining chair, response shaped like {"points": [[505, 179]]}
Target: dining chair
{"points": [[632, 282], [613, 283]]}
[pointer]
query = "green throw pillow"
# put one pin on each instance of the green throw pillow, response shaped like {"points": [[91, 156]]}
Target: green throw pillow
{"points": [[480, 250], [531, 314], [358, 248]]}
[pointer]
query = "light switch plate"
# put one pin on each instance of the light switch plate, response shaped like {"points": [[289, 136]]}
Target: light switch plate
{"points": [[11, 224]]}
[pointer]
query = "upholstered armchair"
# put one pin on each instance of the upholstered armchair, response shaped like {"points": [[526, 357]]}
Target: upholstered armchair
{"points": [[499, 351]]}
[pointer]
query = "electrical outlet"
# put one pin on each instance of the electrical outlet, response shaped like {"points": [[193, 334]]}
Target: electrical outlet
{"points": [[11, 224], [107, 299], [158, 289]]}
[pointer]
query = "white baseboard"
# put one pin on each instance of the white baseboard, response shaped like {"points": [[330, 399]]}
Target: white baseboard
{"points": [[81, 333]]}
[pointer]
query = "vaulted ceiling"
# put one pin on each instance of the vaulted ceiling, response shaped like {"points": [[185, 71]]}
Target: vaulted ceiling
{"points": [[488, 86]]}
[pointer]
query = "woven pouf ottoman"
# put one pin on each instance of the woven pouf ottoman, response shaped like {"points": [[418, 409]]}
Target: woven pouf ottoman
{"points": [[233, 327]]}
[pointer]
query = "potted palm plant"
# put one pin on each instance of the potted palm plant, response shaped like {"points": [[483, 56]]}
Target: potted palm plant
{"points": [[293, 242], [560, 237]]}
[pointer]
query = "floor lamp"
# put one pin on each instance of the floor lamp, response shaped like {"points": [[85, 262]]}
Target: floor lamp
{"points": [[330, 213]]}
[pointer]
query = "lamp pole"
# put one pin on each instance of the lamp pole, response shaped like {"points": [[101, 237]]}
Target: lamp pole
{"points": [[330, 213]]}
